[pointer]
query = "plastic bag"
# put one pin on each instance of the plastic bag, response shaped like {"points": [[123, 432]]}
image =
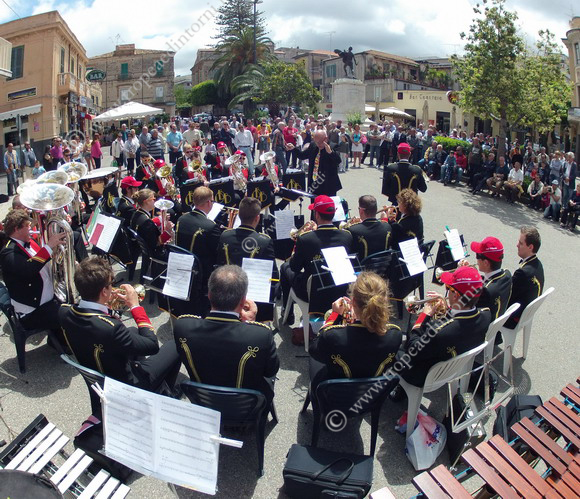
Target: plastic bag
{"points": [[426, 442], [114, 163]]}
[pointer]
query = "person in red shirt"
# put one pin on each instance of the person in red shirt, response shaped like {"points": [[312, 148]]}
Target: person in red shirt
{"points": [[254, 131], [460, 161], [290, 134]]}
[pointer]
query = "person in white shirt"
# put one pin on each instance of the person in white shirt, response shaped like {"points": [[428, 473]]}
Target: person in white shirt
{"points": [[513, 186], [244, 141], [130, 151], [193, 135], [117, 150]]}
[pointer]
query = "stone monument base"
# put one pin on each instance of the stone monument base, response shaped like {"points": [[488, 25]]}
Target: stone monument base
{"points": [[348, 96]]}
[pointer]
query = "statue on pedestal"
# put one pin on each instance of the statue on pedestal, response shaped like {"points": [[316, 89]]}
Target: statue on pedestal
{"points": [[347, 59]]}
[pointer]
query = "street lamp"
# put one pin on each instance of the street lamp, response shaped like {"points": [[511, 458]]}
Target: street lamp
{"points": [[255, 2]]}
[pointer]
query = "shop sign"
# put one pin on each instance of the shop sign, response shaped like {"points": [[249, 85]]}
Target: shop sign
{"points": [[21, 94], [73, 98], [96, 75]]}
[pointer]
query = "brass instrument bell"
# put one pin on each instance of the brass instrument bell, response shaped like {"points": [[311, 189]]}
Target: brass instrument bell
{"points": [[117, 304]]}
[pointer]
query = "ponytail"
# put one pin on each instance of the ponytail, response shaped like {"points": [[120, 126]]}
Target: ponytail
{"points": [[371, 294]]}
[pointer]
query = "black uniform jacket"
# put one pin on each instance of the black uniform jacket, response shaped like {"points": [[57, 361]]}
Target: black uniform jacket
{"points": [[146, 175], [408, 227], [21, 273], [328, 181], [142, 224], [221, 350], [244, 242], [438, 340], [200, 235], [103, 343], [369, 237], [110, 194], [527, 285], [125, 210], [352, 351], [496, 293], [402, 175]]}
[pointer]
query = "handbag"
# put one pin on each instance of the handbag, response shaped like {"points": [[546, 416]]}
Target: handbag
{"points": [[363, 139], [313, 473]]}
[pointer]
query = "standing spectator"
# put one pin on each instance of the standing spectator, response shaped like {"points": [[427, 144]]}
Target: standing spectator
{"points": [[117, 149], [474, 162], [11, 164], [193, 135], [37, 170], [555, 195], [66, 157], [568, 178], [130, 151], [204, 128], [28, 159], [174, 144], [227, 136], [96, 153], [254, 131], [556, 166], [535, 190], [87, 155], [47, 158], [124, 132], [385, 146], [216, 134], [155, 146], [290, 135], [342, 149], [279, 146], [374, 141], [144, 138], [244, 141], [513, 186], [357, 147], [56, 152], [415, 144], [263, 139]]}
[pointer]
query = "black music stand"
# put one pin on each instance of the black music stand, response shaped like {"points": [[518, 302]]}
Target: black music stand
{"points": [[294, 180], [223, 192], [262, 191], [444, 258], [283, 247], [186, 190]]}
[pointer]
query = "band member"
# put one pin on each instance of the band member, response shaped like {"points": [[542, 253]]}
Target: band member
{"points": [[220, 169], [370, 236], [497, 282], [269, 172], [528, 279], [409, 223], [110, 194], [402, 175], [227, 348], [102, 342], [191, 167], [27, 273], [145, 172], [149, 228], [366, 345], [198, 234], [322, 165], [238, 170], [462, 329], [126, 206]]}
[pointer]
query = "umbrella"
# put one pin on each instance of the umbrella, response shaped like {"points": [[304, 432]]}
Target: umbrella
{"points": [[128, 110], [369, 109], [396, 113]]}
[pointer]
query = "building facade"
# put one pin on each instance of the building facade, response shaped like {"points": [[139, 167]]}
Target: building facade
{"points": [[572, 42], [201, 70], [47, 94], [139, 75], [312, 61]]}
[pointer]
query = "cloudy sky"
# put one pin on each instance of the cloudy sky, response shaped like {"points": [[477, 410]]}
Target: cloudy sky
{"points": [[415, 29]]}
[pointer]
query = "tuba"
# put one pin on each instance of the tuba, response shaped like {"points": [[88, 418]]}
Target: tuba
{"points": [[349, 223], [307, 227], [164, 173], [52, 198], [75, 172], [268, 159], [240, 182]]}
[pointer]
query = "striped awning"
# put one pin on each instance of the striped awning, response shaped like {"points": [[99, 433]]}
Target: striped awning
{"points": [[23, 111]]}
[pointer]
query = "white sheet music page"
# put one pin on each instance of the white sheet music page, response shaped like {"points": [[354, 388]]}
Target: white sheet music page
{"points": [[412, 256], [259, 275], [178, 276], [161, 437], [110, 228], [215, 211], [339, 215], [454, 242], [340, 265], [237, 222], [284, 223]]}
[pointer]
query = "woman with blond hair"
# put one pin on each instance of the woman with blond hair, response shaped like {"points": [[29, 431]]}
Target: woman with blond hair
{"points": [[357, 340], [407, 223]]}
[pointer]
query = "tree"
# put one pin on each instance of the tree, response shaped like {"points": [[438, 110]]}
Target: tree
{"points": [[276, 83], [235, 16], [182, 97], [204, 93], [499, 78]]}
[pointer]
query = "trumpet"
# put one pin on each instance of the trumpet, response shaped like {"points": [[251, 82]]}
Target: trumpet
{"points": [[390, 211], [307, 227], [414, 305], [232, 213], [116, 303], [353, 221], [462, 263]]}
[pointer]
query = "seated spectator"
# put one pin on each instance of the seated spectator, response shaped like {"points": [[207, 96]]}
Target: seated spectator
{"points": [[513, 186], [535, 190], [448, 167], [555, 195], [461, 162], [500, 175], [486, 172], [571, 212]]}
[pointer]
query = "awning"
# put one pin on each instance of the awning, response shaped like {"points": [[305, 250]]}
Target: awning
{"points": [[23, 111]]}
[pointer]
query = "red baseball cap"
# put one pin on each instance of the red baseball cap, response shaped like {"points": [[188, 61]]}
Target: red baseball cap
{"points": [[158, 163], [404, 147], [221, 144], [323, 204], [130, 182], [491, 247], [241, 153], [463, 280]]}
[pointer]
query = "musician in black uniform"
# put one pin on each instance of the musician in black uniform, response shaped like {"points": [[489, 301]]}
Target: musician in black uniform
{"points": [[407, 223], [198, 234], [145, 172], [528, 279], [27, 273], [497, 282], [363, 347], [227, 348], [434, 340], [102, 342], [110, 195], [370, 236], [126, 206], [149, 228], [402, 175]]}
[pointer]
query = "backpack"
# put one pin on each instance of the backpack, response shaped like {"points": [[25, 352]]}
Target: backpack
{"points": [[519, 407]]}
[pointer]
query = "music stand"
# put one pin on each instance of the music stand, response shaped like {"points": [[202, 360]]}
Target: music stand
{"points": [[282, 247], [295, 180], [262, 191], [223, 192], [444, 258], [186, 191]]}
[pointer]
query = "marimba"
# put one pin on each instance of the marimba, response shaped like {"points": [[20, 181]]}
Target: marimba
{"points": [[555, 440], [36, 451]]}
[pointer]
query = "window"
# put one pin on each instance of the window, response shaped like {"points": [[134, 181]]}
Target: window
{"points": [[378, 94], [124, 70], [17, 63], [159, 92], [62, 56], [577, 52], [72, 65], [331, 71], [124, 95], [80, 71], [159, 68]]}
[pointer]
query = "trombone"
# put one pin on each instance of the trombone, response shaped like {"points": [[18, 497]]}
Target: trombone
{"points": [[462, 263]]}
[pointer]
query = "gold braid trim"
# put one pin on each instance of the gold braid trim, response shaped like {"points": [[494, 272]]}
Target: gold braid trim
{"points": [[97, 355], [241, 366], [187, 352], [336, 359], [384, 364]]}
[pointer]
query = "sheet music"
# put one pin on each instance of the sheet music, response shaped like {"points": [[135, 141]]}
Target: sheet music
{"points": [[237, 221], [221, 180], [104, 232], [284, 220], [339, 264], [339, 215], [161, 437], [178, 276], [454, 242], [215, 211], [259, 275], [412, 256]]}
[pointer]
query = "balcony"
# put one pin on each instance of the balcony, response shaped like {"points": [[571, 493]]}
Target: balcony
{"points": [[67, 82], [124, 76]]}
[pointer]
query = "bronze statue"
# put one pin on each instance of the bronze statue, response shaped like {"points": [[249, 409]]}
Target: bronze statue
{"points": [[347, 59]]}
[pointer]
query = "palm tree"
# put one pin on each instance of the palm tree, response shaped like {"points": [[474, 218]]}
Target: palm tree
{"points": [[237, 53], [246, 86]]}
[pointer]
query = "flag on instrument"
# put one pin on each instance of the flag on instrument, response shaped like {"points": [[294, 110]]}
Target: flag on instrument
{"points": [[92, 223]]}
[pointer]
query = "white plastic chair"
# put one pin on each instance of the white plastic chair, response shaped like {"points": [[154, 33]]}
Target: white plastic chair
{"points": [[439, 375], [493, 329], [525, 323], [303, 306]]}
